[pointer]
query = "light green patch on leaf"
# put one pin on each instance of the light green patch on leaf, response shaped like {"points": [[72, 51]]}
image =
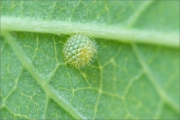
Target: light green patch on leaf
{"points": [[135, 75]]}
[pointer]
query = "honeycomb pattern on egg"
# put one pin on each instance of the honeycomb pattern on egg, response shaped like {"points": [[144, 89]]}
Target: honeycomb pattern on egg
{"points": [[79, 50]]}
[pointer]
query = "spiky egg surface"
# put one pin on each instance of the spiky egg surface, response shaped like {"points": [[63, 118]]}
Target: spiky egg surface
{"points": [[79, 50]]}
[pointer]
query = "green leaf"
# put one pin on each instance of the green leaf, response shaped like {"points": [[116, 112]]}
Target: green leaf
{"points": [[135, 75]]}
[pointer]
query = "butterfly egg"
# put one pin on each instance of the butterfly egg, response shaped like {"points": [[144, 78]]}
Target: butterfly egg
{"points": [[79, 50]]}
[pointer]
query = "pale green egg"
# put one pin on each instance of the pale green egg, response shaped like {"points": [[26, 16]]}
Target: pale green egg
{"points": [[79, 50]]}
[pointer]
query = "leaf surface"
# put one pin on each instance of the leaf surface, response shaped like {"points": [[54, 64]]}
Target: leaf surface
{"points": [[135, 75]]}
